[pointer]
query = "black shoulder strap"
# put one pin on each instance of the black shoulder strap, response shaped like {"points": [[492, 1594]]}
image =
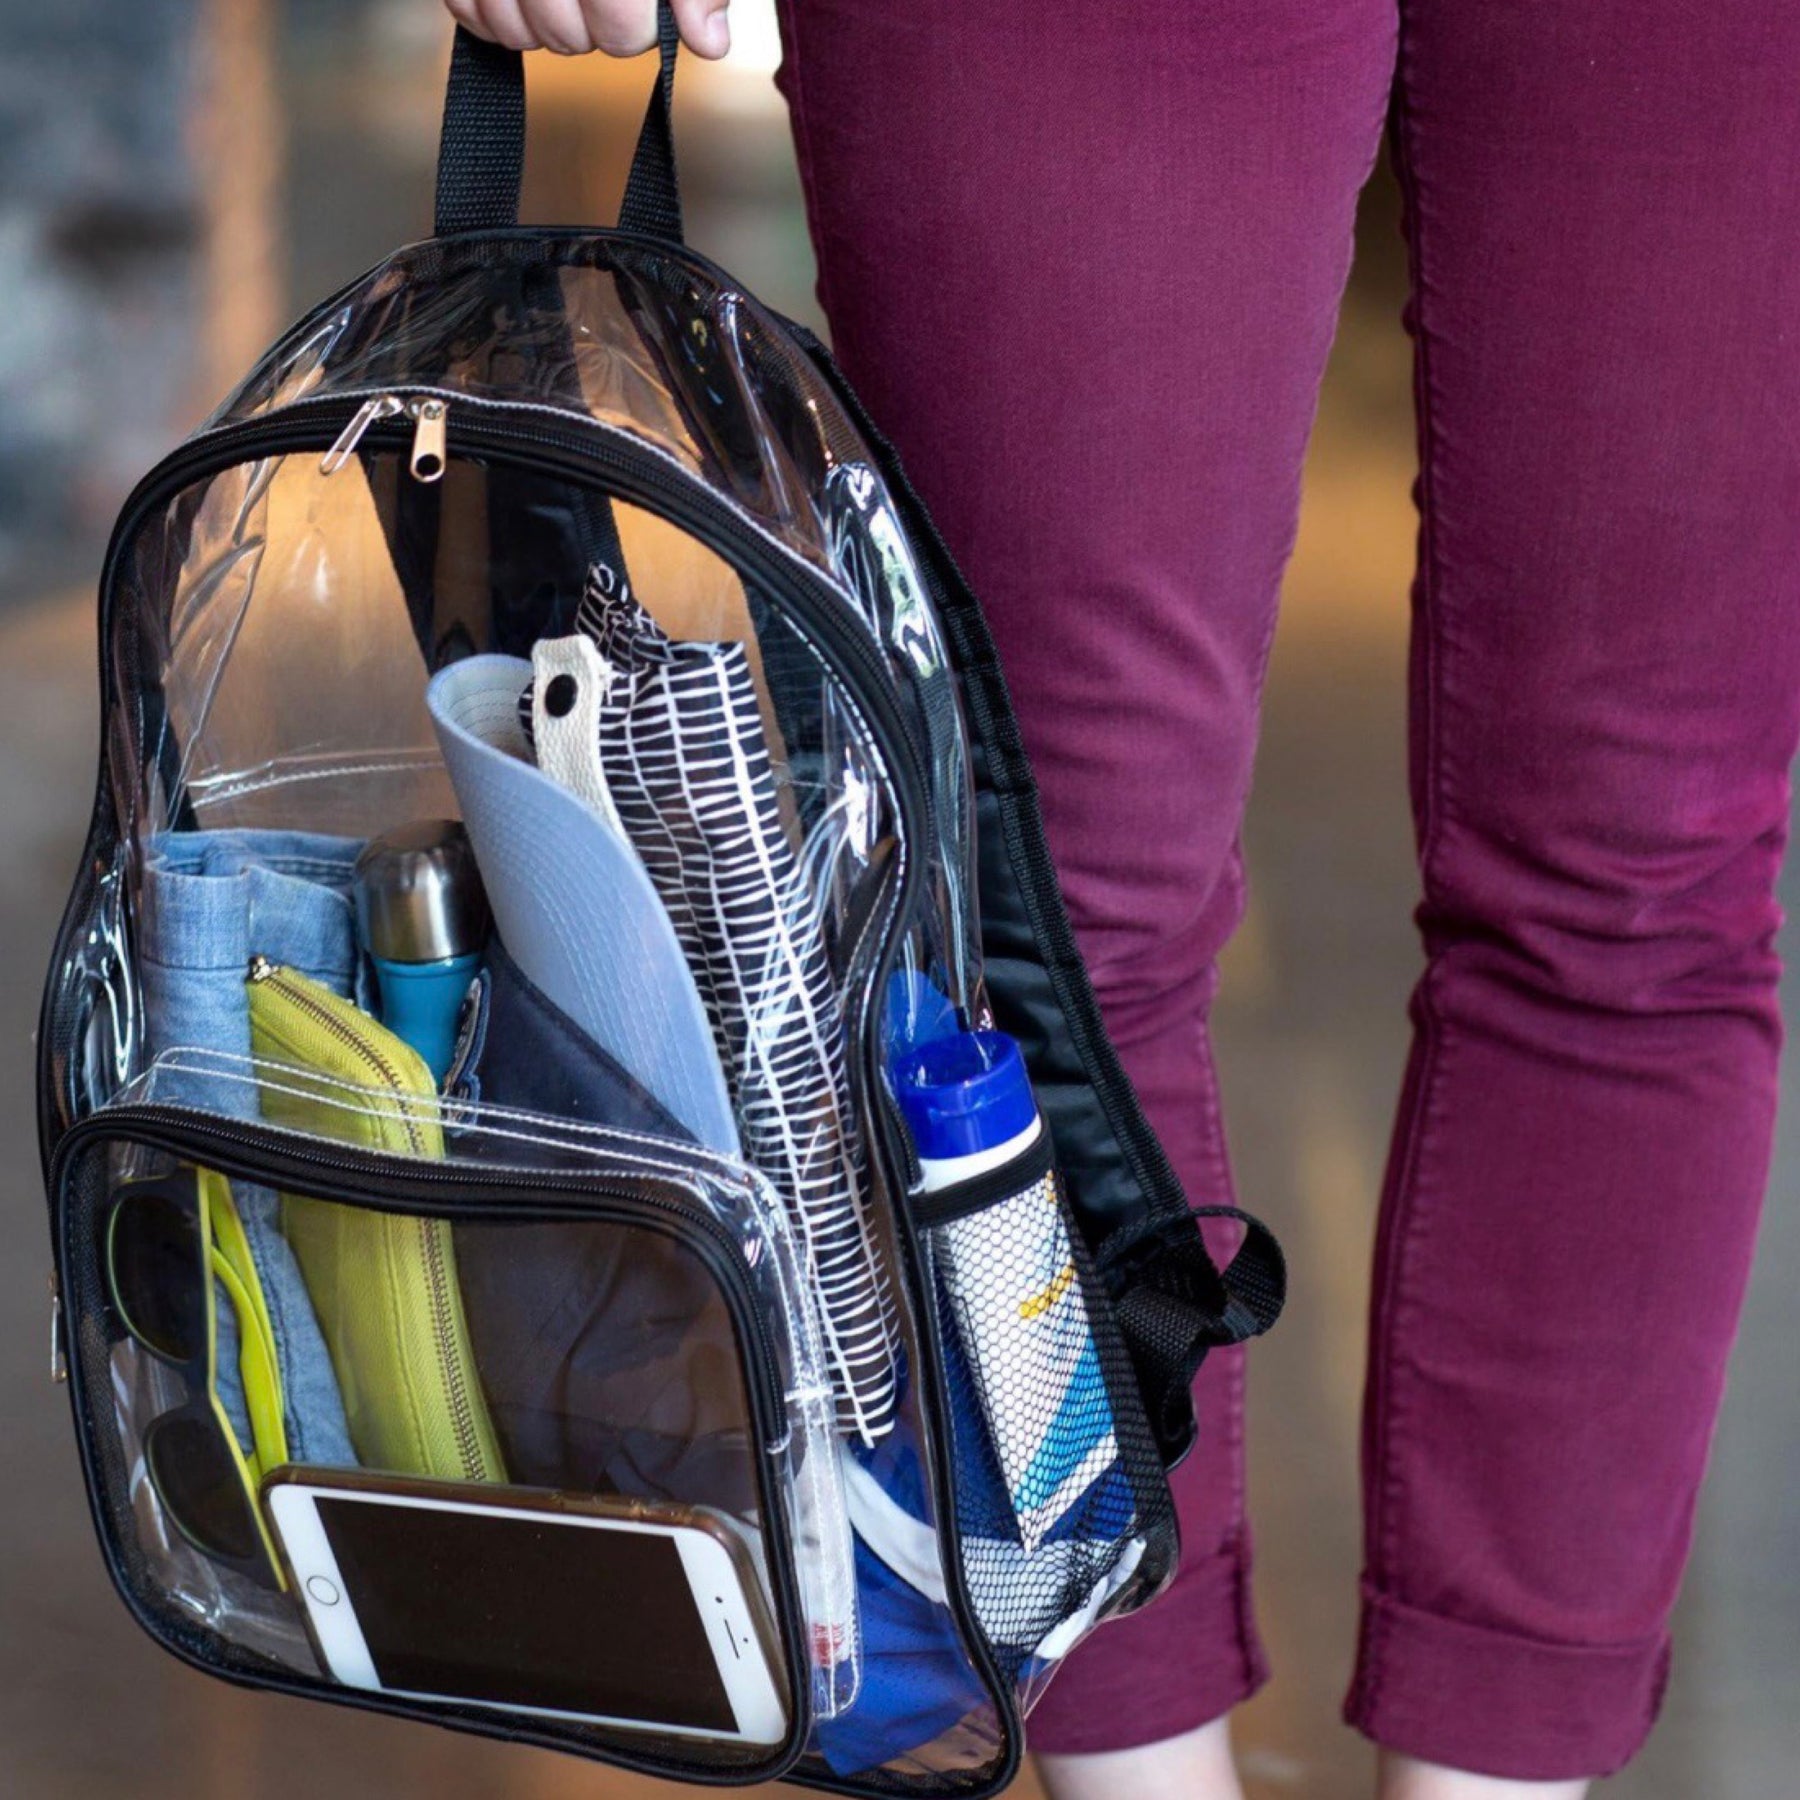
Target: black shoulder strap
{"points": [[1173, 1306], [481, 153]]}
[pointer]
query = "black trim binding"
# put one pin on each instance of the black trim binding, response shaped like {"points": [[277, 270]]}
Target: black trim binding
{"points": [[980, 1192]]}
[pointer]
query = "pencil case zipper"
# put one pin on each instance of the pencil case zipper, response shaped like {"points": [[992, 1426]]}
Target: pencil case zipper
{"points": [[417, 1305]]}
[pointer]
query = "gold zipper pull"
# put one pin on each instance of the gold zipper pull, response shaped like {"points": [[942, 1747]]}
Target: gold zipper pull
{"points": [[428, 453], [59, 1357], [383, 406], [261, 969]]}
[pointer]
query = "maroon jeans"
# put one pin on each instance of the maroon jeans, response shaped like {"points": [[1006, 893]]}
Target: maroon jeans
{"points": [[1084, 262]]}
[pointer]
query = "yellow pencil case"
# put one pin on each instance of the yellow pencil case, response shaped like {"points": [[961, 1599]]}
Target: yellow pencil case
{"points": [[384, 1285]]}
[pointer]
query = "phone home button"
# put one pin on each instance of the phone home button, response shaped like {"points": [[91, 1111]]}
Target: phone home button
{"points": [[323, 1591]]}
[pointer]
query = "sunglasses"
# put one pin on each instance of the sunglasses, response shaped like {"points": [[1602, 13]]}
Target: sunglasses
{"points": [[174, 1244]]}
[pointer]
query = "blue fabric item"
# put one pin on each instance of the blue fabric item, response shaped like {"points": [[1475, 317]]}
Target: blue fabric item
{"points": [[520, 1049], [211, 900], [916, 1679], [917, 1012]]}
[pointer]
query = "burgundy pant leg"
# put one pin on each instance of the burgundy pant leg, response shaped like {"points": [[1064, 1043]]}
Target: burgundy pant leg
{"points": [[1084, 264], [1605, 231]]}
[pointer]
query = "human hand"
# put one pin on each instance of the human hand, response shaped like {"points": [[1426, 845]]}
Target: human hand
{"points": [[573, 27]]}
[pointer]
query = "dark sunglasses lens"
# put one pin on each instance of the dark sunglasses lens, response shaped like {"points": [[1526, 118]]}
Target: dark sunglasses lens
{"points": [[154, 1257], [200, 1487]]}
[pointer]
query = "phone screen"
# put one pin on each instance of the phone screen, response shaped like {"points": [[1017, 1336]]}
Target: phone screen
{"points": [[527, 1612]]}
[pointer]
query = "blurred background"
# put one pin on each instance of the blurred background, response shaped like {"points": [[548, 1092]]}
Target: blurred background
{"points": [[179, 178]]}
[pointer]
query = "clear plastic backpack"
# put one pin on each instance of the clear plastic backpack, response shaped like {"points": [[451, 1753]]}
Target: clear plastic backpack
{"points": [[592, 1200]]}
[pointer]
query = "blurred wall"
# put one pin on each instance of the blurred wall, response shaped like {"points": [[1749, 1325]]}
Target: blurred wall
{"points": [[99, 219], [180, 178]]}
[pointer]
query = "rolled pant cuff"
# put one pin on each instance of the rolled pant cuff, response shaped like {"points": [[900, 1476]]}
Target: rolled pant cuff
{"points": [[1185, 1660], [1494, 1703]]}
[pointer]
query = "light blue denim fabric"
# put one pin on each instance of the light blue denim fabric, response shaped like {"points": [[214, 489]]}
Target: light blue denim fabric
{"points": [[211, 900]]}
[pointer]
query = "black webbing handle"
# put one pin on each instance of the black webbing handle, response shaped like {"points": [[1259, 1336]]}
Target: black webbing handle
{"points": [[1175, 1306], [652, 203], [481, 153]]}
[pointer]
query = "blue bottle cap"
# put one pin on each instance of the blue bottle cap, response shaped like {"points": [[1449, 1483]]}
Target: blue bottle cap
{"points": [[964, 1093]]}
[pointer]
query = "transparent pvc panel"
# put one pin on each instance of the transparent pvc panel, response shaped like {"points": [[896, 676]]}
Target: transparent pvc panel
{"points": [[658, 346], [277, 631]]}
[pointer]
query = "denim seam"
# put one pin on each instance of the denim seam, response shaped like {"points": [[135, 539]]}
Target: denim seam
{"points": [[1250, 1656], [1219, 1157], [275, 1299], [163, 865], [1388, 1411]]}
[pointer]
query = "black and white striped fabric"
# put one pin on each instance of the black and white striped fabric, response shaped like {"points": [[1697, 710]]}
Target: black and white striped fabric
{"points": [[687, 764]]}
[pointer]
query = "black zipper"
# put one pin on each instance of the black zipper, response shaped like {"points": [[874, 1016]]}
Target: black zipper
{"points": [[575, 450], [383, 1181]]}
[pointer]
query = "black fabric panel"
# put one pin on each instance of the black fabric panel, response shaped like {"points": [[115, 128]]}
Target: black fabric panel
{"points": [[1103, 1190]]}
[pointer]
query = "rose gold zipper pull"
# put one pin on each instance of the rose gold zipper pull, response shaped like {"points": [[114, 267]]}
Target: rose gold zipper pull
{"points": [[428, 451]]}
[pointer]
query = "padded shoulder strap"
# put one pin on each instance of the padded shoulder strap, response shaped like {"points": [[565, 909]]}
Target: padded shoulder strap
{"points": [[1173, 1305]]}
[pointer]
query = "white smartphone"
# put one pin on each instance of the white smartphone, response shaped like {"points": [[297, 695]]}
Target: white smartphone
{"points": [[573, 1607]]}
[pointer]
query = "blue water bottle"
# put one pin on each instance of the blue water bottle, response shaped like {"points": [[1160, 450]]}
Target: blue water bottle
{"points": [[1007, 1267], [423, 916]]}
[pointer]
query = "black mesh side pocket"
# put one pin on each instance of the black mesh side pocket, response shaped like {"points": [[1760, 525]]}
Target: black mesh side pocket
{"points": [[1063, 1507]]}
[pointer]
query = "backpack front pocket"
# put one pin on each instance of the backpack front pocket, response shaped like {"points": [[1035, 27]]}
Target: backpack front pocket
{"points": [[499, 1312]]}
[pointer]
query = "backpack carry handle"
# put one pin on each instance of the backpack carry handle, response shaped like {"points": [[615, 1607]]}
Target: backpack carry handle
{"points": [[481, 152]]}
